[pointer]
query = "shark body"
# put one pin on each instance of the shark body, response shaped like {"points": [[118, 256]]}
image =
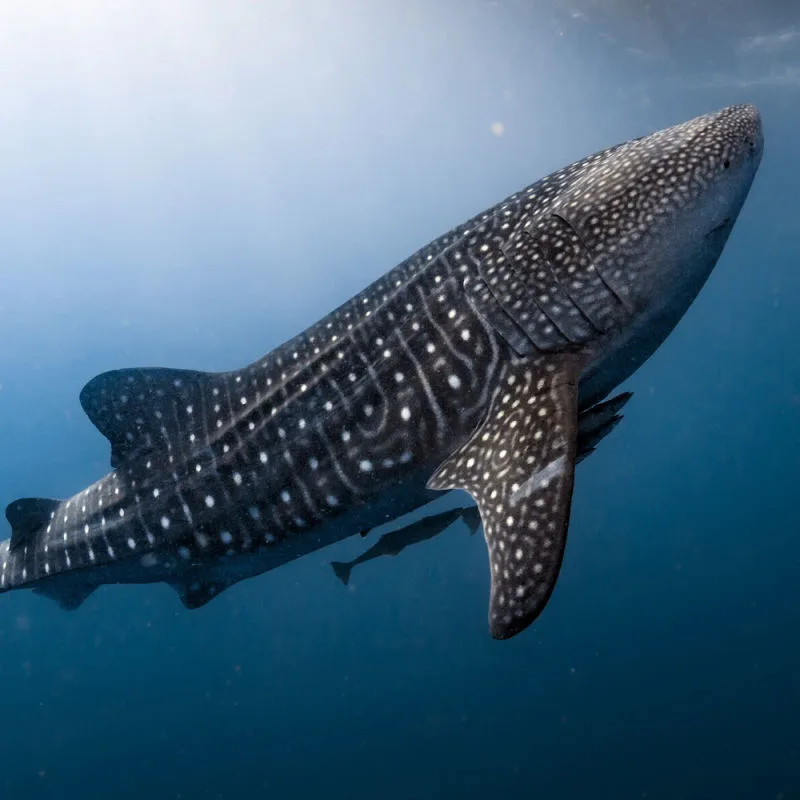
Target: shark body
{"points": [[480, 363]]}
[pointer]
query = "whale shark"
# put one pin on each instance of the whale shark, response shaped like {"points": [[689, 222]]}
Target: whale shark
{"points": [[482, 363]]}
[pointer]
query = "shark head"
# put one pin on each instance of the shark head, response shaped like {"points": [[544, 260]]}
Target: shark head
{"points": [[654, 214]]}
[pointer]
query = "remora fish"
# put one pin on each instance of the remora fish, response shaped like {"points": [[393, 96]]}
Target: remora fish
{"points": [[394, 542], [465, 367]]}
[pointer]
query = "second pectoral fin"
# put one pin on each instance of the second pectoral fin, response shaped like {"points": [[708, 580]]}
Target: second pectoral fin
{"points": [[519, 466]]}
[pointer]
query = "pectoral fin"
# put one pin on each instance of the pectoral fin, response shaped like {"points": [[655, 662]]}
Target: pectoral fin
{"points": [[519, 466], [68, 595]]}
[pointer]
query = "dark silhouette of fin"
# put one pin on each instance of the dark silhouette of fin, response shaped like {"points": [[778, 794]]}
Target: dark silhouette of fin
{"points": [[27, 516], [68, 596], [196, 593], [342, 571], [472, 519], [595, 423]]}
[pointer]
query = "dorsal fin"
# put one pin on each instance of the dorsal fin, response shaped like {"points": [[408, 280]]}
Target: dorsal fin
{"points": [[27, 516], [141, 410]]}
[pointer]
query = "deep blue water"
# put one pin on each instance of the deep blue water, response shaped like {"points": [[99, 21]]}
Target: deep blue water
{"points": [[188, 185]]}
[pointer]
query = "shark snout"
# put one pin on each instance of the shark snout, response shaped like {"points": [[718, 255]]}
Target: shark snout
{"points": [[742, 128]]}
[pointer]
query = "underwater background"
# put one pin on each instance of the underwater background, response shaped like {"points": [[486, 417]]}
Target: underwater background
{"points": [[188, 184]]}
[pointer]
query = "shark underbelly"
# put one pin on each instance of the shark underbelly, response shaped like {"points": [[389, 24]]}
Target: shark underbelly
{"points": [[219, 570]]}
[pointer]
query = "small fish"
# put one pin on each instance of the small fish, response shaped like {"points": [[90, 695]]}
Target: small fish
{"points": [[394, 542], [481, 363]]}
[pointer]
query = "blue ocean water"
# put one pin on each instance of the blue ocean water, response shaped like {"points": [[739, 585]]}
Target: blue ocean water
{"points": [[188, 185]]}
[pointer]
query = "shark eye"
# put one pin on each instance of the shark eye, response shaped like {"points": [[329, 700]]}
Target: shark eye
{"points": [[726, 163]]}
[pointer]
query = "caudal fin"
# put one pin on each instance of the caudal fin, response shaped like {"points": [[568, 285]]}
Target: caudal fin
{"points": [[342, 571]]}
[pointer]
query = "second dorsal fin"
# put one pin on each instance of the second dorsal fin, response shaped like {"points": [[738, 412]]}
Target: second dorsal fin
{"points": [[27, 516], [141, 410]]}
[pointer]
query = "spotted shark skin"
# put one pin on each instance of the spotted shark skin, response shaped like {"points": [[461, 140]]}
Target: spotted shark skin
{"points": [[472, 365]]}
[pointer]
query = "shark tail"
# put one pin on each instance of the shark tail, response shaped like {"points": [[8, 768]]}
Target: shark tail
{"points": [[342, 571]]}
